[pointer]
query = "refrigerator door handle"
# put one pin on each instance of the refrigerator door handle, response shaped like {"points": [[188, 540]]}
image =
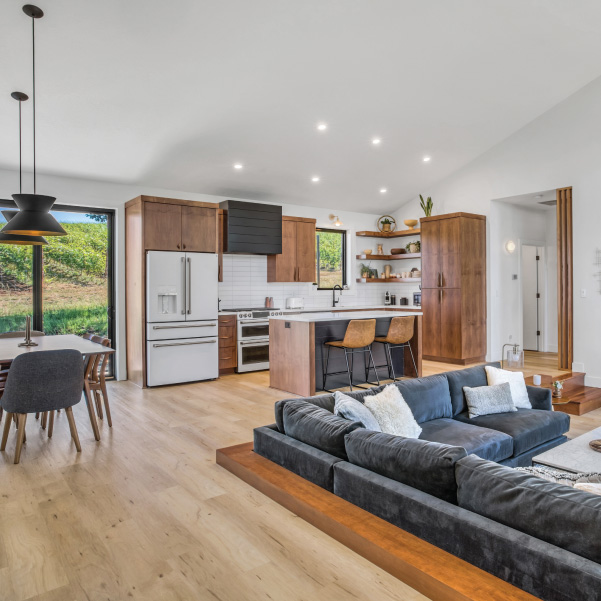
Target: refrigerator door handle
{"points": [[189, 285], [184, 343], [201, 325], [184, 295]]}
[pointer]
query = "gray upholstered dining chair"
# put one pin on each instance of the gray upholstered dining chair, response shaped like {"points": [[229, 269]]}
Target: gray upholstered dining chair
{"points": [[38, 382]]}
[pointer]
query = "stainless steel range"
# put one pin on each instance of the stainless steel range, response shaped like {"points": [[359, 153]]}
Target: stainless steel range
{"points": [[253, 337]]}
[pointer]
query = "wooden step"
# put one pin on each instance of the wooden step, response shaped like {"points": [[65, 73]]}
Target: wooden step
{"points": [[576, 399]]}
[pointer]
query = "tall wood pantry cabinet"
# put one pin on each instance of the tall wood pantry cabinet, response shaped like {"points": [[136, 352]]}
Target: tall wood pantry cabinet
{"points": [[453, 250]]}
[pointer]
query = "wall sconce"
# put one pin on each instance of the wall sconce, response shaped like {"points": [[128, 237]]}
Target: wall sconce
{"points": [[510, 246], [335, 219]]}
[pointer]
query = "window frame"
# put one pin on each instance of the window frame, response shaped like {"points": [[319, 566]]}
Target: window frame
{"points": [[343, 234], [37, 273]]}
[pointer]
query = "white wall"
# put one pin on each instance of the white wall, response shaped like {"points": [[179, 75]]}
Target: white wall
{"points": [[560, 148], [243, 283]]}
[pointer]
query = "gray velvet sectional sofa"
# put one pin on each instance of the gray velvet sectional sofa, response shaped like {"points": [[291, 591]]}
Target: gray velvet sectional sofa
{"points": [[454, 487]]}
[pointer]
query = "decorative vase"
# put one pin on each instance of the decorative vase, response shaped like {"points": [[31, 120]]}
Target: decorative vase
{"points": [[387, 271], [380, 249], [413, 248], [386, 227]]}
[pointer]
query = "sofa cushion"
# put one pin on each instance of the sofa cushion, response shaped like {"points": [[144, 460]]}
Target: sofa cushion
{"points": [[557, 514], [486, 443], [317, 427], [392, 413], [428, 398], [427, 466], [528, 427], [472, 377], [349, 408], [325, 401], [488, 400], [515, 379]]}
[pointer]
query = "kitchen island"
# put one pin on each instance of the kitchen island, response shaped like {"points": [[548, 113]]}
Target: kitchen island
{"points": [[297, 358]]}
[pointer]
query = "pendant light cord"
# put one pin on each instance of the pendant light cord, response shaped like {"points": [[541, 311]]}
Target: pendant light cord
{"points": [[20, 159], [33, 71]]}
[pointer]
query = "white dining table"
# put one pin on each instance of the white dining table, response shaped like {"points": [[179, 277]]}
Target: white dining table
{"points": [[10, 349]]}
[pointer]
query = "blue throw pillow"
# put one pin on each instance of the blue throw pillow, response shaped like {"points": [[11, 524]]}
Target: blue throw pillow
{"points": [[349, 408]]}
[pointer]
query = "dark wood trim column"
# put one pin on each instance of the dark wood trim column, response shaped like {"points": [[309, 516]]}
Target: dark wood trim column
{"points": [[565, 288]]}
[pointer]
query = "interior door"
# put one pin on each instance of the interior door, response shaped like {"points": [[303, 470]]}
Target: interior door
{"points": [[199, 229], [430, 243], [201, 286], [305, 252], [530, 297], [165, 286], [162, 226], [431, 340]]}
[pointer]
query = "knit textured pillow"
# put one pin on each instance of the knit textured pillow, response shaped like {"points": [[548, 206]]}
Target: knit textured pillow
{"points": [[392, 412]]}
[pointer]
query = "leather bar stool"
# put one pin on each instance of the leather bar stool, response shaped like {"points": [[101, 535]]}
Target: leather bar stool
{"points": [[358, 338], [400, 332]]}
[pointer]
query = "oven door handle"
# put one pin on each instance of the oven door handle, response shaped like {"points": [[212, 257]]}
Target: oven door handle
{"points": [[255, 343], [263, 322]]}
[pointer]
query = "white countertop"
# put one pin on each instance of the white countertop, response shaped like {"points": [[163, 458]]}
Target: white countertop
{"points": [[338, 308], [329, 316]]}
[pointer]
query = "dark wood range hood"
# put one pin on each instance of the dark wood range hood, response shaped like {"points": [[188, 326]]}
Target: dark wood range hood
{"points": [[252, 228]]}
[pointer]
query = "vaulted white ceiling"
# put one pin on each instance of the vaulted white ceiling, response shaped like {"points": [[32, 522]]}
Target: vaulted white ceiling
{"points": [[172, 94]]}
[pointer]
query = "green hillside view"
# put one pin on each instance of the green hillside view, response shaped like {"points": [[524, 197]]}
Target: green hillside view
{"points": [[75, 281]]}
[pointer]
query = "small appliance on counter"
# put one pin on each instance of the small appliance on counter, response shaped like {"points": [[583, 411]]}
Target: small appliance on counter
{"points": [[393, 299], [403, 300], [387, 298], [295, 302], [417, 299]]}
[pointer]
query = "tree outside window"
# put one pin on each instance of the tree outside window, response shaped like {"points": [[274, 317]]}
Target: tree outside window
{"points": [[331, 258]]}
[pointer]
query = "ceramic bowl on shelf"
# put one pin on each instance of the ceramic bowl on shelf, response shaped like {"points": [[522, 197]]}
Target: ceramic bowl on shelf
{"points": [[410, 223], [398, 251], [367, 251]]}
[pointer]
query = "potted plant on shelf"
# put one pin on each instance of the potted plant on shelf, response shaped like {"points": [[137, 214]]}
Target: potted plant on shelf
{"points": [[557, 389], [414, 247], [366, 271], [426, 205], [386, 223]]}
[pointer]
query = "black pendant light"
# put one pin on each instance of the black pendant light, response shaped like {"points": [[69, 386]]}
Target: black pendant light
{"points": [[8, 215], [33, 218]]}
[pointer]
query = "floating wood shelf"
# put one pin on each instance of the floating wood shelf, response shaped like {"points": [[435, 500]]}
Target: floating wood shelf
{"points": [[398, 234], [390, 257], [388, 280]]}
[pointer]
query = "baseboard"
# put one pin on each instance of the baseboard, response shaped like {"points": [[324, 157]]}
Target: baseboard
{"points": [[592, 381], [426, 568]]}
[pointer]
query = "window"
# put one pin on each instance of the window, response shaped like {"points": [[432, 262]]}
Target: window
{"points": [[331, 258], [66, 286]]}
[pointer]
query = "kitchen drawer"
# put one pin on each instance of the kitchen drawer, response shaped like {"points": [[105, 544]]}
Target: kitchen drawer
{"points": [[227, 336], [228, 357], [227, 320], [181, 329]]}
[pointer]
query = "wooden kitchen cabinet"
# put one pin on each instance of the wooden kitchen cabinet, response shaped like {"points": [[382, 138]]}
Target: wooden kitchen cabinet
{"points": [[228, 351], [296, 263], [170, 224], [454, 287]]}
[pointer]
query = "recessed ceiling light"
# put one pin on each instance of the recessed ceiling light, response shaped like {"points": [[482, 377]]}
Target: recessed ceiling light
{"points": [[427, 159], [383, 190], [538, 196], [376, 141], [322, 126], [315, 179], [238, 166]]}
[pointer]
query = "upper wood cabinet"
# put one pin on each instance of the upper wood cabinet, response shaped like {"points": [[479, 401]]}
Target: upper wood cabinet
{"points": [[454, 287], [170, 224], [297, 261]]}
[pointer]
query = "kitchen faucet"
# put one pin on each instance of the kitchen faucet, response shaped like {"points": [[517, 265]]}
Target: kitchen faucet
{"points": [[336, 287]]}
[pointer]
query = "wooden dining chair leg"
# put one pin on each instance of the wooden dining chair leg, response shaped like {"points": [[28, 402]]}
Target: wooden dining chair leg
{"points": [[51, 424], [107, 409], [7, 424], [89, 403], [73, 428], [22, 419], [98, 404], [44, 420]]}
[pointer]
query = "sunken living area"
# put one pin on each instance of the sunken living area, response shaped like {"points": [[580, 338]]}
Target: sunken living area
{"points": [[300, 300]]}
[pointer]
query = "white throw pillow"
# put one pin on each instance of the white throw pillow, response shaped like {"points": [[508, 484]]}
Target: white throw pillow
{"points": [[392, 412], [350, 408], [519, 393]]}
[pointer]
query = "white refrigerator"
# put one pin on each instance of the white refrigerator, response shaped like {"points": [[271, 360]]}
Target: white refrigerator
{"points": [[181, 317]]}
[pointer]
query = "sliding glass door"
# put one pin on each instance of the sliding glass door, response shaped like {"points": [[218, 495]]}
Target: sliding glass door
{"points": [[66, 286]]}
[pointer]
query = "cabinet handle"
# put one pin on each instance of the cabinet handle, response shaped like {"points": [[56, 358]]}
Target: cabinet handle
{"points": [[184, 245], [440, 278], [440, 299], [178, 246]]}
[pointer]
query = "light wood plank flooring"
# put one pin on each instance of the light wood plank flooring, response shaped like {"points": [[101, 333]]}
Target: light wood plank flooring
{"points": [[147, 514]]}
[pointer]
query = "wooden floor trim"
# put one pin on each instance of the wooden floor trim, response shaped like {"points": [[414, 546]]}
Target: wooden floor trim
{"points": [[426, 568]]}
